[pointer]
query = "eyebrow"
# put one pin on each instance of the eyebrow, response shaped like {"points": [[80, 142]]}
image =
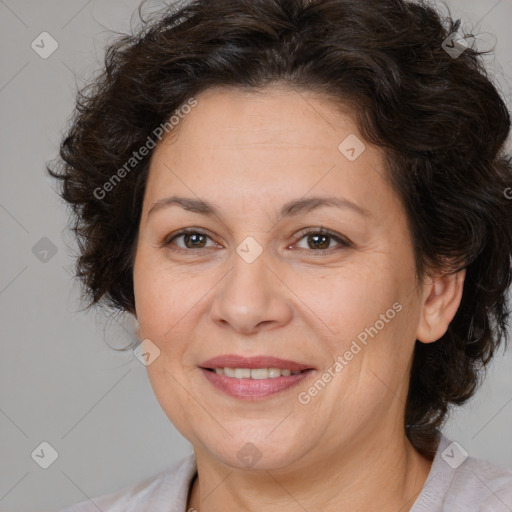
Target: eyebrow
{"points": [[292, 208]]}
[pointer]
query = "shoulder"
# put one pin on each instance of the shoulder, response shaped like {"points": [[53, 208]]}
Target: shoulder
{"points": [[169, 488], [460, 483], [481, 483]]}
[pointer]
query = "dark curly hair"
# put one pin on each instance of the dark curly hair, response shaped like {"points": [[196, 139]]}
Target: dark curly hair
{"points": [[441, 123]]}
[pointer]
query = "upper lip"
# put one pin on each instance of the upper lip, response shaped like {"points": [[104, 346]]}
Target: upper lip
{"points": [[235, 361]]}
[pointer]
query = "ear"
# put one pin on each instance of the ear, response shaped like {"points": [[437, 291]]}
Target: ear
{"points": [[440, 300]]}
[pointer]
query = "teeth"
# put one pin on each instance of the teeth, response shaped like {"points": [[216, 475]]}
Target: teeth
{"points": [[242, 373], [274, 372], [229, 372], [259, 373], [254, 373]]}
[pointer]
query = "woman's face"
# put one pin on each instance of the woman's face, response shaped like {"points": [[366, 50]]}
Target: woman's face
{"points": [[258, 280]]}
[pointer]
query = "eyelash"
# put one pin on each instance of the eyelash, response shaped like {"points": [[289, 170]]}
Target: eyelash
{"points": [[343, 242]]}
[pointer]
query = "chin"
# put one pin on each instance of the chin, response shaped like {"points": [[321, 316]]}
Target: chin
{"points": [[259, 454]]}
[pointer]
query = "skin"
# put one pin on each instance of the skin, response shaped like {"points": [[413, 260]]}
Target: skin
{"points": [[250, 153]]}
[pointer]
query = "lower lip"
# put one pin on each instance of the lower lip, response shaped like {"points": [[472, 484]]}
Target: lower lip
{"points": [[253, 389]]}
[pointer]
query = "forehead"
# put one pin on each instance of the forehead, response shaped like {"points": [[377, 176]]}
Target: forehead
{"points": [[269, 142], [229, 118]]}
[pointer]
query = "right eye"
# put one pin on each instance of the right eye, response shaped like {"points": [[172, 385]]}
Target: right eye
{"points": [[191, 239]]}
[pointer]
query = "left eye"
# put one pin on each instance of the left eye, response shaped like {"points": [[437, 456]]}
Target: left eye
{"points": [[321, 240]]}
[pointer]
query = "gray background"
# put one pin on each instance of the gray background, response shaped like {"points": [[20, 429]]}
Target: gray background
{"points": [[60, 381]]}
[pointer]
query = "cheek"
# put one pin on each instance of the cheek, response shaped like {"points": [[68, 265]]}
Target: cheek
{"points": [[164, 294], [172, 397], [348, 300]]}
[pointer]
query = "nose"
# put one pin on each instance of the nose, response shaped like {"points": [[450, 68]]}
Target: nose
{"points": [[251, 297]]}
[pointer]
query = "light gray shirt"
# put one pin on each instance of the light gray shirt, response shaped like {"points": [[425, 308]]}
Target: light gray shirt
{"points": [[456, 483]]}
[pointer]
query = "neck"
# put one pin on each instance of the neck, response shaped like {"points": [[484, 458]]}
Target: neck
{"points": [[386, 475]]}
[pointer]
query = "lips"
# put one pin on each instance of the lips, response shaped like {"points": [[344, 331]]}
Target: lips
{"points": [[251, 388], [234, 361]]}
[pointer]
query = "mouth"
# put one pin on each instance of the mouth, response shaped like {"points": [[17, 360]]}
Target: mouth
{"points": [[253, 378], [253, 373]]}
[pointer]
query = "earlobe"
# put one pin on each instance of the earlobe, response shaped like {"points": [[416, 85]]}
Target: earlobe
{"points": [[441, 299]]}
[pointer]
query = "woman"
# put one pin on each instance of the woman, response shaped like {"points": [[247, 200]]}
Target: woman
{"points": [[305, 206]]}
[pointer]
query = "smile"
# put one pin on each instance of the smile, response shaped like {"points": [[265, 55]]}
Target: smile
{"points": [[255, 373], [248, 388]]}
